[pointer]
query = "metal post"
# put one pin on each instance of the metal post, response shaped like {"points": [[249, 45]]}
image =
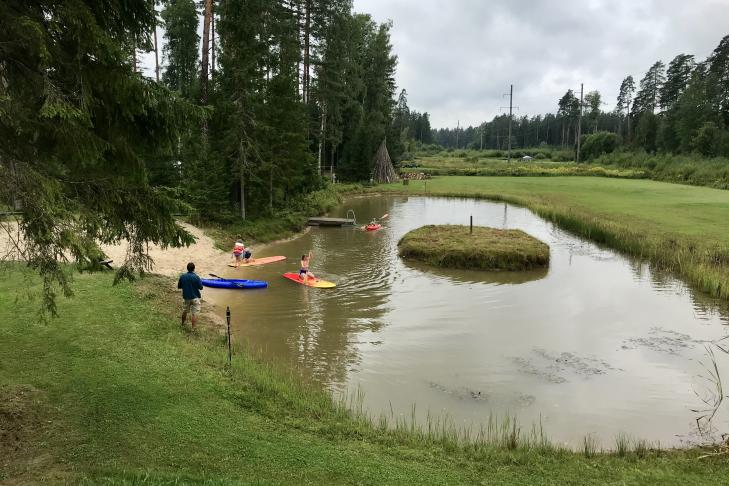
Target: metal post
{"points": [[511, 107], [579, 123], [472, 224], [230, 348]]}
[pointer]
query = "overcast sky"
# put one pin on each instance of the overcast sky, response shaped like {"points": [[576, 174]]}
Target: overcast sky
{"points": [[457, 57]]}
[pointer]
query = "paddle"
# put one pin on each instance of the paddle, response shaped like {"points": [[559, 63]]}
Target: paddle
{"points": [[240, 286]]}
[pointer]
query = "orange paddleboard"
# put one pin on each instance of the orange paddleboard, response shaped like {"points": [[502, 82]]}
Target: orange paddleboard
{"points": [[311, 282], [259, 261]]}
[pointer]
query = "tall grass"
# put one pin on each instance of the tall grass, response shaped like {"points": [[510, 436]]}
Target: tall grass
{"points": [[549, 153], [503, 169], [684, 169]]}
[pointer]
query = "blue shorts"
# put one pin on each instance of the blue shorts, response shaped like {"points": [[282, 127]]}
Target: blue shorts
{"points": [[303, 271]]}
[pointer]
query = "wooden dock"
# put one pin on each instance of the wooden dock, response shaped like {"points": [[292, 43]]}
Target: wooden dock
{"points": [[331, 222]]}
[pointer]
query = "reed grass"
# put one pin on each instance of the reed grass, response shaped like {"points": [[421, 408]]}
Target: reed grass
{"points": [[590, 446]]}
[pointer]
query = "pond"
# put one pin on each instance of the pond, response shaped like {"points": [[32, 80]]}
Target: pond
{"points": [[595, 345]]}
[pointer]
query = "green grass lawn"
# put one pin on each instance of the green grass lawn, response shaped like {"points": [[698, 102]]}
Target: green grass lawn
{"points": [[114, 392], [681, 228]]}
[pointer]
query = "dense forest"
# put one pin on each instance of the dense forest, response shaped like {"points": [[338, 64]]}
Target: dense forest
{"points": [[296, 89], [237, 123], [679, 108]]}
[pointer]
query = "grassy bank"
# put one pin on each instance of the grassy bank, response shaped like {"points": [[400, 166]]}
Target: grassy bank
{"points": [[529, 169], [682, 229], [453, 246], [280, 224], [682, 169], [474, 163], [115, 392]]}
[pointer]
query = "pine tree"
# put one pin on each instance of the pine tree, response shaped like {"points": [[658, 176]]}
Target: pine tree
{"points": [[205, 56], [593, 102], [78, 127], [181, 48], [678, 75], [648, 96], [625, 99], [569, 109], [370, 128], [718, 72]]}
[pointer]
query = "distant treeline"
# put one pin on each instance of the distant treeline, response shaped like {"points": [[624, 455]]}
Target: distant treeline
{"points": [[679, 109]]}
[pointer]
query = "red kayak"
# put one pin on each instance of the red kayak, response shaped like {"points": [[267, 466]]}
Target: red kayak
{"points": [[373, 227]]}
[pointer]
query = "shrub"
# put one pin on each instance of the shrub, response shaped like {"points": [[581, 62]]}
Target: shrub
{"points": [[597, 144]]}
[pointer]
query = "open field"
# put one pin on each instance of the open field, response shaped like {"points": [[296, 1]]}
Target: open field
{"points": [[680, 228], [115, 391]]}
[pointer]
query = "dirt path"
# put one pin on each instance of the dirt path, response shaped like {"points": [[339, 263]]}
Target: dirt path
{"points": [[169, 261], [172, 261]]}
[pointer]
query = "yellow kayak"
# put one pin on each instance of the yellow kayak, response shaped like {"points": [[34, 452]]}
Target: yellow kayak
{"points": [[311, 282]]}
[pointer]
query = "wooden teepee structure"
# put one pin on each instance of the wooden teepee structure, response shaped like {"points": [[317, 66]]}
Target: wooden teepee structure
{"points": [[383, 171]]}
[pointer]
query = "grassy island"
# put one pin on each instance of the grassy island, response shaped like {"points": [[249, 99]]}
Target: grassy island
{"points": [[492, 249]]}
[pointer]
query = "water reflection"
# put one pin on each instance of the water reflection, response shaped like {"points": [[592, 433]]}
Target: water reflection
{"points": [[598, 344], [456, 276]]}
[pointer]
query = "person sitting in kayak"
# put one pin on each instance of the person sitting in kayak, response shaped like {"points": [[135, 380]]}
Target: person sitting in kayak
{"points": [[304, 272]]}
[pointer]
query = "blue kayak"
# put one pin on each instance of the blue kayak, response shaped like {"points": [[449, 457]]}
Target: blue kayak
{"points": [[220, 283]]}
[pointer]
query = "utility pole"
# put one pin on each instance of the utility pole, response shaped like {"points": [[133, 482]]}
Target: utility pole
{"points": [[482, 138], [510, 94], [458, 132], [511, 108], [579, 122]]}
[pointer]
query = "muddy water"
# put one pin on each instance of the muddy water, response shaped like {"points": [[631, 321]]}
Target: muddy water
{"points": [[595, 345]]}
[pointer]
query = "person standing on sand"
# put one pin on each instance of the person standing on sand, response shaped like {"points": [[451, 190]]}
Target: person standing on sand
{"points": [[191, 286]]}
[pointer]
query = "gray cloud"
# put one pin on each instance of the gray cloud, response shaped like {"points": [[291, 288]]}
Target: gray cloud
{"points": [[457, 58]]}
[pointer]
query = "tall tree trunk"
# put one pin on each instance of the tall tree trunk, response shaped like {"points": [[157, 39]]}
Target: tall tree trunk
{"points": [[331, 161], [242, 183], [629, 134], [212, 38], [322, 135], [270, 190], [207, 15], [156, 47], [307, 51]]}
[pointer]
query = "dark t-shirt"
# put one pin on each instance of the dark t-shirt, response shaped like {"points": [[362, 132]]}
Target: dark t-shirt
{"points": [[191, 285]]}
